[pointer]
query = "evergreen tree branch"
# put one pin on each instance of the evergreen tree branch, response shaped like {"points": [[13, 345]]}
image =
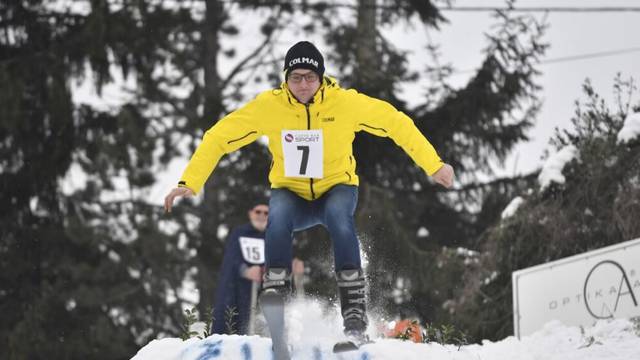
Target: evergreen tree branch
{"points": [[241, 65]]}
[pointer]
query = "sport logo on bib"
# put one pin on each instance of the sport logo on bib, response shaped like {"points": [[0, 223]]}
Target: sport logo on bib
{"points": [[302, 150]]}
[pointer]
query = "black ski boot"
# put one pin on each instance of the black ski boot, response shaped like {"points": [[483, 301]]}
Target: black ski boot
{"points": [[351, 285], [276, 289], [277, 279]]}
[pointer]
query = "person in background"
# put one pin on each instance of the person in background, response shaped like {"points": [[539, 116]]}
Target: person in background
{"points": [[241, 274]]}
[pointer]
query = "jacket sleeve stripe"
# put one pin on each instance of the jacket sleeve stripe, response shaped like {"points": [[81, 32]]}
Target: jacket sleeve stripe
{"points": [[374, 128], [240, 138]]}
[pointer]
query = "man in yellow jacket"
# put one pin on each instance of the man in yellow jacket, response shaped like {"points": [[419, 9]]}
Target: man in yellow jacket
{"points": [[311, 122]]}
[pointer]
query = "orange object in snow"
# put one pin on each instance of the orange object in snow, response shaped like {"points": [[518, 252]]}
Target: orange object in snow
{"points": [[406, 329]]}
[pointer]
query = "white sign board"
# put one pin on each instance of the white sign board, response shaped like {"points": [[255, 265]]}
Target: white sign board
{"points": [[578, 290]]}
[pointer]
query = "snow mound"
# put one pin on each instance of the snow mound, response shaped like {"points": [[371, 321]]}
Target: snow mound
{"points": [[552, 168], [607, 340], [631, 128]]}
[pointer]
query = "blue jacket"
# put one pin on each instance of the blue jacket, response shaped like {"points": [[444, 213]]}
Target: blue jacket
{"points": [[244, 248]]}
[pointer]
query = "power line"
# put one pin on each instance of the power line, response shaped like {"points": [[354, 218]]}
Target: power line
{"points": [[590, 55], [572, 58], [335, 4], [539, 9]]}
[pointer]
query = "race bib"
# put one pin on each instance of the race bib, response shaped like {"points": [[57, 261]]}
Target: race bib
{"points": [[252, 250], [303, 153]]}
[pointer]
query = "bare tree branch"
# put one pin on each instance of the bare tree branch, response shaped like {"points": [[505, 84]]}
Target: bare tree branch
{"points": [[241, 65]]}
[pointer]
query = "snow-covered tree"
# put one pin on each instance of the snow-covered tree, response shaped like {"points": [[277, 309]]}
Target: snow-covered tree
{"points": [[587, 197]]}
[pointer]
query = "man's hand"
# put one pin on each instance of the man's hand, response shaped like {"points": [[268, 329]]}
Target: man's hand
{"points": [[444, 176], [253, 273], [175, 192]]}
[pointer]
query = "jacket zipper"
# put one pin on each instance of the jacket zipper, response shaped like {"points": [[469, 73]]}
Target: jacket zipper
{"points": [[306, 106]]}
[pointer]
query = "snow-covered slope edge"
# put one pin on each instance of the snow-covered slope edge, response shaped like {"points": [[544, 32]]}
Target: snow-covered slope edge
{"points": [[607, 340]]}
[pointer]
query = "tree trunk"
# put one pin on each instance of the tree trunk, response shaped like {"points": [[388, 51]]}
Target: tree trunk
{"points": [[366, 50], [209, 249]]}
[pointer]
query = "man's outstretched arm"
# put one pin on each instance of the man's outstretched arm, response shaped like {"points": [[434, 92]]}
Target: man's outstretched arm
{"points": [[382, 119]]}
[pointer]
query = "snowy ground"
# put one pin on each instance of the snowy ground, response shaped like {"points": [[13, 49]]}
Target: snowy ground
{"points": [[314, 340]]}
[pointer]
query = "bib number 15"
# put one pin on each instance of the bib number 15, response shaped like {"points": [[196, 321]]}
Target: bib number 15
{"points": [[303, 151], [252, 250]]}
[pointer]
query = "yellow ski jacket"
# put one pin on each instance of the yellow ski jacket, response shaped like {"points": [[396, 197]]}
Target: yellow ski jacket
{"points": [[329, 123]]}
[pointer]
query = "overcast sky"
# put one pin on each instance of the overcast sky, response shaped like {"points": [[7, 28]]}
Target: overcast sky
{"points": [[569, 34]]}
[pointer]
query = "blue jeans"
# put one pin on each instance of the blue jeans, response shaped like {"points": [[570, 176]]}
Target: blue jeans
{"points": [[288, 213]]}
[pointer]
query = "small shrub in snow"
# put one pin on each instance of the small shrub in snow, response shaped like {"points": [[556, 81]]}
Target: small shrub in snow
{"points": [[190, 318], [190, 323]]}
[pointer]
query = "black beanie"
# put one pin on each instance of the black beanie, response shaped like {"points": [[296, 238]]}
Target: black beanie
{"points": [[260, 200], [304, 55]]}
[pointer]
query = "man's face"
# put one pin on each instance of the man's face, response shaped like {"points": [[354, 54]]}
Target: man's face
{"points": [[258, 217], [303, 84]]}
